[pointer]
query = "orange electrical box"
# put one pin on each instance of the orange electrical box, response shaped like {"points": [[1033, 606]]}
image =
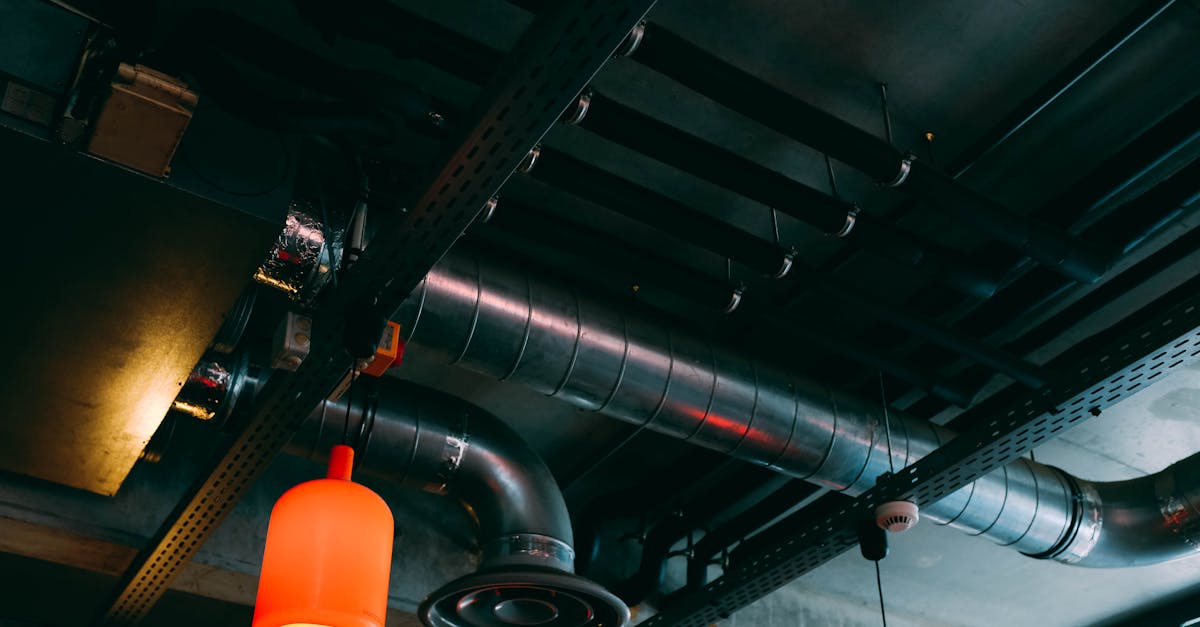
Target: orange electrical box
{"points": [[388, 351]]}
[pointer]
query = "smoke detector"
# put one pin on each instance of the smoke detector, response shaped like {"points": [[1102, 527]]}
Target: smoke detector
{"points": [[896, 516]]}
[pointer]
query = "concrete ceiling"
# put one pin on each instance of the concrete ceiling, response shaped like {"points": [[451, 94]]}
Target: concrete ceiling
{"points": [[954, 69], [938, 576]]}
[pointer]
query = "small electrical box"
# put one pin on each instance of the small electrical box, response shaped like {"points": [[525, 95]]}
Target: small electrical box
{"points": [[143, 119], [293, 339]]}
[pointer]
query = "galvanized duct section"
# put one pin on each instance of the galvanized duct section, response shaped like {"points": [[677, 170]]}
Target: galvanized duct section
{"points": [[442, 445], [499, 322]]}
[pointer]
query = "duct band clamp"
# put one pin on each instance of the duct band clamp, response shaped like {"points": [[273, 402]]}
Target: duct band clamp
{"points": [[529, 549], [453, 451], [1067, 549], [848, 226], [905, 170]]}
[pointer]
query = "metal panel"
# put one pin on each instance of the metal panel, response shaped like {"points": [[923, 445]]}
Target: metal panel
{"points": [[115, 293], [40, 43], [1160, 338], [555, 59]]}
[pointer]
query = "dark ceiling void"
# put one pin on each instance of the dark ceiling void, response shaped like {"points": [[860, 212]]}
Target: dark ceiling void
{"points": [[31, 586], [678, 293]]}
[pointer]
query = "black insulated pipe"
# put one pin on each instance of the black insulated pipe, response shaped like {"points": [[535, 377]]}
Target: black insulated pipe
{"points": [[571, 174], [663, 142], [726, 535], [713, 499], [710, 76], [373, 20], [519, 222], [644, 205]]}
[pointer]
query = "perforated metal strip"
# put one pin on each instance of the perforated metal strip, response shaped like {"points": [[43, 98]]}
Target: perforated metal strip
{"points": [[553, 62], [1160, 338]]}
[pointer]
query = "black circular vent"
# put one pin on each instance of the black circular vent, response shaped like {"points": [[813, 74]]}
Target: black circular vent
{"points": [[501, 598]]}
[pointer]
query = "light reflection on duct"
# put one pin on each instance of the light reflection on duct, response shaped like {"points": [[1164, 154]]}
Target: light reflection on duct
{"points": [[501, 323], [442, 445]]}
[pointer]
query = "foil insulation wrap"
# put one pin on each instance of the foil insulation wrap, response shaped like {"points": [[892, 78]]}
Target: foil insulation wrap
{"points": [[206, 391], [303, 258]]}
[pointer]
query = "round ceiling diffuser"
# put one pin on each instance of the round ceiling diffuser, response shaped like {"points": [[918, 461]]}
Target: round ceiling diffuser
{"points": [[502, 598]]}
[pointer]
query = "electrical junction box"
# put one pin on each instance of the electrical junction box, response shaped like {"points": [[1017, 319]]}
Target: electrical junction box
{"points": [[388, 352], [293, 339], [143, 120]]}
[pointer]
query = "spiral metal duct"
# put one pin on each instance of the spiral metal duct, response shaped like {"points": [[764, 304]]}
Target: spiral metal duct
{"points": [[436, 443], [496, 321]]}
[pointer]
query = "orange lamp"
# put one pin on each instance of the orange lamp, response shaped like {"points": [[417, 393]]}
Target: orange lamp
{"points": [[328, 555]]}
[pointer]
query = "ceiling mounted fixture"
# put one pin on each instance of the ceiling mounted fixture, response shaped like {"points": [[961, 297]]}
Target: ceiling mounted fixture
{"points": [[328, 553]]}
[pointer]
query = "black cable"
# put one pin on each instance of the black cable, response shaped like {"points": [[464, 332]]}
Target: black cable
{"points": [[887, 423], [325, 226], [879, 585], [349, 408]]}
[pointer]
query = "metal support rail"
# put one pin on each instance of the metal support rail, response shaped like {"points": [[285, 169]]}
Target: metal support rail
{"points": [[558, 55], [1162, 337]]}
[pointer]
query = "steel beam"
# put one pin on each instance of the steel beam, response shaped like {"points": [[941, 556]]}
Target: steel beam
{"points": [[1162, 337], [558, 55]]}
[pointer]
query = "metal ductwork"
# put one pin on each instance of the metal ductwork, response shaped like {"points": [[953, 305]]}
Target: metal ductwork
{"points": [[496, 321], [439, 444]]}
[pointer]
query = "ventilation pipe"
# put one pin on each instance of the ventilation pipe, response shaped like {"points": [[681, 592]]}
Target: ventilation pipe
{"points": [[439, 444], [493, 320]]}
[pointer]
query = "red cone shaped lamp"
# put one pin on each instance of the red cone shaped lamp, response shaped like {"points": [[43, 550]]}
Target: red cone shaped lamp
{"points": [[328, 555]]}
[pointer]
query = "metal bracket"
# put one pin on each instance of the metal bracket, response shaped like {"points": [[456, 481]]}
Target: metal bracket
{"points": [[559, 53], [489, 210], [530, 160], [905, 170], [578, 109], [1162, 337], [789, 261], [735, 299], [632, 41], [848, 227]]}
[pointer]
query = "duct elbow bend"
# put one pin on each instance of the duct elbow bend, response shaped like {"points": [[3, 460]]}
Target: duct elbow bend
{"points": [[443, 445], [1137, 522], [523, 518]]}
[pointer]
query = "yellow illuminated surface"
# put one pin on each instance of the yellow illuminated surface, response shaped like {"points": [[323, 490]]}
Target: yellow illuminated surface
{"points": [[112, 322]]}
